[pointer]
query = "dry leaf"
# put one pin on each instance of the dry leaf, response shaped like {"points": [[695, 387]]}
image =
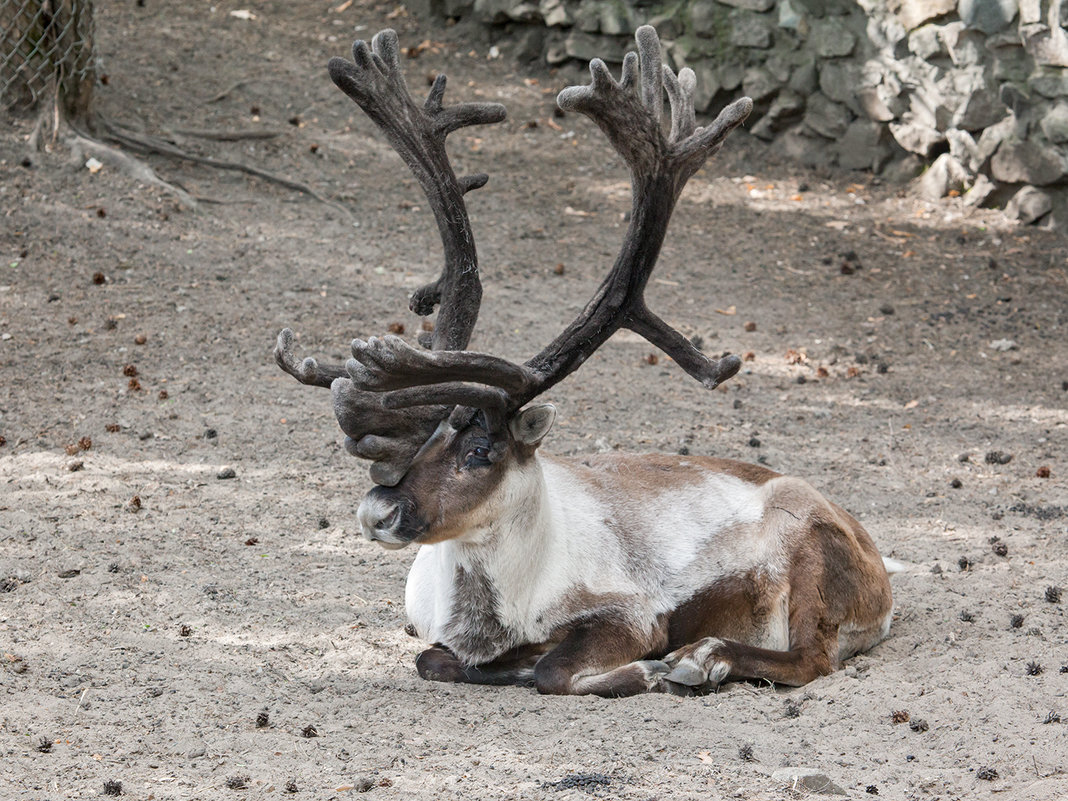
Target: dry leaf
{"points": [[912, 404], [728, 311], [242, 13]]}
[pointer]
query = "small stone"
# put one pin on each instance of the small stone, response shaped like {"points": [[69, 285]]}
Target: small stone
{"points": [[997, 457], [363, 784], [1042, 472], [1000, 549], [226, 472], [918, 725], [1003, 345], [1016, 621], [807, 779], [986, 774], [956, 483]]}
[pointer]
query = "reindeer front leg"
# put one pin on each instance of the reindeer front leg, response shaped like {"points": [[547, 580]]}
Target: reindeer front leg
{"points": [[515, 667], [604, 657]]}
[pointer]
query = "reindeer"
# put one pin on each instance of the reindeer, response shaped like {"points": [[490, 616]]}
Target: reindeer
{"points": [[613, 574]]}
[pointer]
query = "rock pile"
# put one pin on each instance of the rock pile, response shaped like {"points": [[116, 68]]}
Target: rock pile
{"points": [[975, 91]]}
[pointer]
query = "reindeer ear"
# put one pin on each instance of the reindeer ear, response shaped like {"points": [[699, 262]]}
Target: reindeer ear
{"points": [[533, 423]]}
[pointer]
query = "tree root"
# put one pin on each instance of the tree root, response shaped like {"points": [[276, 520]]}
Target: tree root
{"points": [[154, 145], [136, 169], [226, 136]]}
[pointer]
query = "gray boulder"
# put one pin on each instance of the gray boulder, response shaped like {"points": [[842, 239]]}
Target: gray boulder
{"points": [[839, 80], [873, 105], [913, 13], [1027, 162], [944, 175], [759, 84], [980, 191], [750, 5], [915, 135], [1054, 124], [831, 38], [1029, 205], [751, 30], [864, 146], [825, 117], [784, 111], [988, 16]]}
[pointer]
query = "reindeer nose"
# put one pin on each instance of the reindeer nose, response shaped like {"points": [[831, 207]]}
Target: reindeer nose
{"points": [[379, 518]]}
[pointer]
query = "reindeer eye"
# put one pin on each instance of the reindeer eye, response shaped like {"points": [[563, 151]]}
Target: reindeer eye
{"points": [[478, 455]]}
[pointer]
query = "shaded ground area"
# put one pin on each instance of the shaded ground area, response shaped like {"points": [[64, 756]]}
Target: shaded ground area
{"points": [[908, 359]]}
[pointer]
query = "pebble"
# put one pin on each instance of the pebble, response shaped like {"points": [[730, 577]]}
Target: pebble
{"points": [[810, 779]]}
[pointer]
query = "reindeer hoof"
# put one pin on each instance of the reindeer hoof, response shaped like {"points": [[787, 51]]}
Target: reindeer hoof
{"points": [[687, 673]]}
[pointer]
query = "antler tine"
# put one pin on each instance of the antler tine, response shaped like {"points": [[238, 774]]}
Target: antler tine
{"points": [[389, 363], [308, 370]]}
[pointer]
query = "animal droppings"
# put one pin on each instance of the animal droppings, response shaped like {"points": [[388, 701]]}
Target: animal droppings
{"points": [[112, 787], [1053, 595], [998, 457], [291, 786], [918, 725], [1000, 549], [899, 716], [964, 563], [1016, 621], [263, 719], [791, 710], [987, 774], [1042, 472], [871, 789], [237, 782]]}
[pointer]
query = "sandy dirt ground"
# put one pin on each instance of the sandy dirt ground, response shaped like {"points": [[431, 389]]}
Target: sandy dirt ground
{"points": [[186, 608]]}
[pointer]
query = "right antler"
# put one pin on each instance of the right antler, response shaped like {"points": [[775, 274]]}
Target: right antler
{"points": [[629, 112]]}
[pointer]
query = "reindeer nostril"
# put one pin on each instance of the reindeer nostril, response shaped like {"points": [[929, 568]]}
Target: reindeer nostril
{"points": [[388, 521]]}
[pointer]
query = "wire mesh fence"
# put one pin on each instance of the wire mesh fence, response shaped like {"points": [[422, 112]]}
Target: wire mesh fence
{"points": [[46, 46]]}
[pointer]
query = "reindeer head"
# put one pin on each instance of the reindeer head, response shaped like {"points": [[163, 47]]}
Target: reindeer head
{"points": [[452, 487], [425, 417]]}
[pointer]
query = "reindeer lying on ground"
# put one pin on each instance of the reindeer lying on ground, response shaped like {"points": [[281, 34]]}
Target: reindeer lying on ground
{"points": [[611, 575]]}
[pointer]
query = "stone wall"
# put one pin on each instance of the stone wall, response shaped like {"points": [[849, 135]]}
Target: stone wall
{"points": [[973, 93]]}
